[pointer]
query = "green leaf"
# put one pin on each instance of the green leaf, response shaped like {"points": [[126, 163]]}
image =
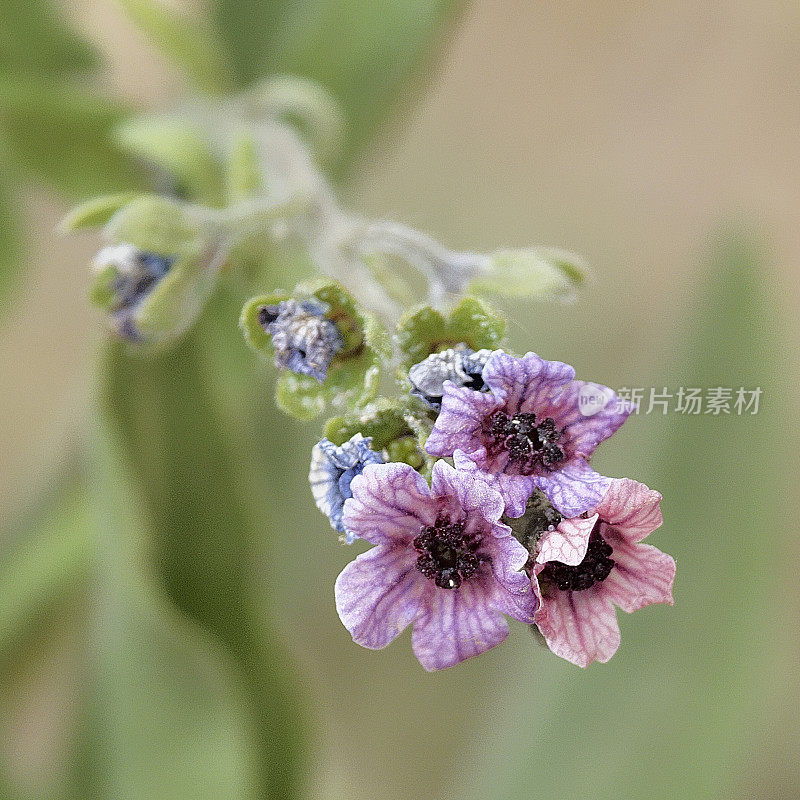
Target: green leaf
{"points": [[186, 40], [49, 556], [364, 51], [677, 708], [423, 331], [181, 150], [35, 41], [182, 415], [63, 136], [95, 212], [168, 720], [307, 106]]}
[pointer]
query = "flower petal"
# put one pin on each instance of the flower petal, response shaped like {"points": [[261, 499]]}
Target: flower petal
{"points": [[379, 595], [459, 422], [642, 575], [473, 494], [523, 383], [631, 508], [586, 424], [515, 490], [458, 624], [511, 592], [575, 488], [567, 543], [390, 503], [580, 626]]}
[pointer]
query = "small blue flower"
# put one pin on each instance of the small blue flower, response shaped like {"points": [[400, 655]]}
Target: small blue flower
{"points": [[136, 274], [305, 341], [460, 365], [332, 470]]}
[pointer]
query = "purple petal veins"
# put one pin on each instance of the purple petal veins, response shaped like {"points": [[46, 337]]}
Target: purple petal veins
{"points": [[531, 429], [443, 562]]}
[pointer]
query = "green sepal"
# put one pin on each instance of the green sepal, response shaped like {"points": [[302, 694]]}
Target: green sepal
{"points": [[543, 272], [425, 330], [254, 334], [390, 425], [351, 382], [101, 290], [181, 149], [359, 328], [154, 224], [384, 420], [178, 298], [95, 212]]}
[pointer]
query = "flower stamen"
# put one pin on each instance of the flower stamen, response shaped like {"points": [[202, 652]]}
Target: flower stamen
{"points": [[595, 567], [528, 443], [447, 555]]}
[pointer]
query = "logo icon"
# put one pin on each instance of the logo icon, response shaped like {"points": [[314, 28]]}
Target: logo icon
{"points": [[593, 398]]}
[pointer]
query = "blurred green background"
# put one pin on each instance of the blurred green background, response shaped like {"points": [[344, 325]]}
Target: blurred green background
{"points": [[160, 639]]}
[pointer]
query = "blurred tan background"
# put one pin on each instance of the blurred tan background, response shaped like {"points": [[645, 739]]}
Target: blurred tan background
{"points": [[627, 131]]}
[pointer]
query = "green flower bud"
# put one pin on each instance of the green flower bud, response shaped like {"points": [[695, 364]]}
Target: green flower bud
{"points": [[424, 330], [533, 272]]}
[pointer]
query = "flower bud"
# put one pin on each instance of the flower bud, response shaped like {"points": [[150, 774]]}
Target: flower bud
{"points": [[472, 325], [152, 298], [329, 350], [543, 272]]}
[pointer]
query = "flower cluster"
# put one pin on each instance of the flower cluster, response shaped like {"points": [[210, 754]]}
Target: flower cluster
{"points": [[474, 488], [471, 479]]}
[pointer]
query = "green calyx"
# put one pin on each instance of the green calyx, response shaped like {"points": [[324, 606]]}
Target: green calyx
{"points": [[354, 373], [391, 427], [425, 330]]}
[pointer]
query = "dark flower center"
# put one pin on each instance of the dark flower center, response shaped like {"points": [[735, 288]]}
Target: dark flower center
{"points": [[595, 567], [528, 443], [446, 554]]}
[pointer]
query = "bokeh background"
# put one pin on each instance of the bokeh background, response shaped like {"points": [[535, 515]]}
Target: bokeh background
{"points": [[660, 140]]}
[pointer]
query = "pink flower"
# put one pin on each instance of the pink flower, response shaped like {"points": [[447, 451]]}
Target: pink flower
{"points": [[587, 565]]}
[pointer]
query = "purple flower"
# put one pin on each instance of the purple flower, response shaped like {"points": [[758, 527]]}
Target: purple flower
{"points": [[305, 341], [332, 471], [536, 427], [586, 566], [442, 562], [459, 365]]}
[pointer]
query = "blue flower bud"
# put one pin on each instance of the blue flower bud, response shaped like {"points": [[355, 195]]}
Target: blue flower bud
{"points": [[126, 279], [460, 365], [305, 341], [332, 471]]}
